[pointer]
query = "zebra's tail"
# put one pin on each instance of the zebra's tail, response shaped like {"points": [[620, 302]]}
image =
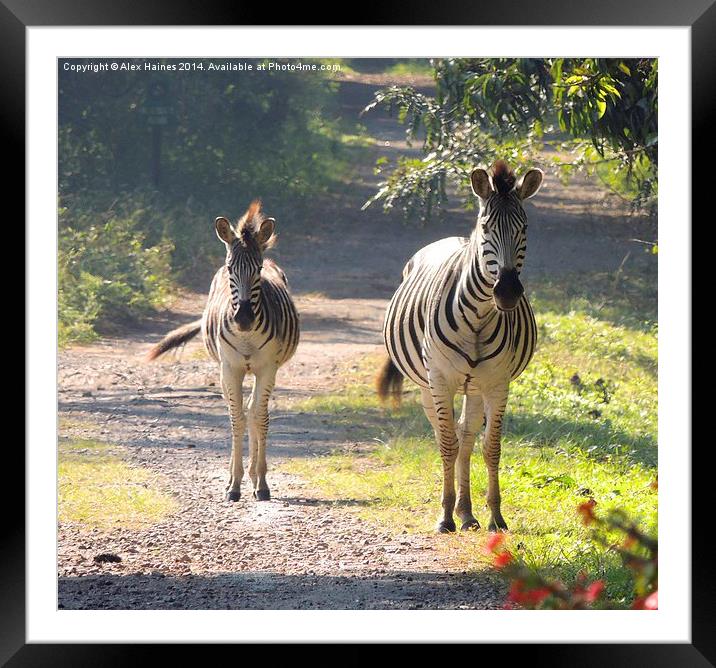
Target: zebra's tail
{"points": [[389, 383], [174, 339]]}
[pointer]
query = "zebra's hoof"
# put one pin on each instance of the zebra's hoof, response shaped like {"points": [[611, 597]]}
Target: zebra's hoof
{"points": [[262, 495], [497, 525], [470, 525], [446, 527], [233, 495]]}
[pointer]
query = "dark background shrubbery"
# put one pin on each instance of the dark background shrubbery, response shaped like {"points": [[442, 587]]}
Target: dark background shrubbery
{"points": [[131, 224], [126, 231]]}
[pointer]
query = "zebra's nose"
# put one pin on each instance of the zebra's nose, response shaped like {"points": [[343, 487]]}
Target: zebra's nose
{"points": [[507, 289], [245, 315]]}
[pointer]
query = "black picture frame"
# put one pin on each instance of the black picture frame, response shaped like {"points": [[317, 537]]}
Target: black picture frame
{"points": [[16, 15]]}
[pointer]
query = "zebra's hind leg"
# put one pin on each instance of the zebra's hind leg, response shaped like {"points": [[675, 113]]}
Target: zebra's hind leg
{"points": [[231, 382], [258, 431], [495, 403], [444, 424], [473, 414]]}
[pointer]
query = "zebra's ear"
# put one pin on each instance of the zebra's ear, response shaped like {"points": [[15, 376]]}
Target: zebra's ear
{"points": [[223, 230], [480, 183], [265, 234], [530, 183]]}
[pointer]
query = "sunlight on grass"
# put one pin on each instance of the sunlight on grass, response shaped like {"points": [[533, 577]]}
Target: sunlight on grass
{"points": [[98, 489], [198, 354], [581, 423], [415, 67], [66, 424], [314, 295]]}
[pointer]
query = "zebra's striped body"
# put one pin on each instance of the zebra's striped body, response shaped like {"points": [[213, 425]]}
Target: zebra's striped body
{"points": [[274, 336], [250, 326], [443, 312], [459, 323]]}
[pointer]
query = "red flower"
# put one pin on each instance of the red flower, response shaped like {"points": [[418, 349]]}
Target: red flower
{"points": [[493, 542], [502, 559], [594, 591], [536, 596], [518, 594], [586, 510], [652, 601]]}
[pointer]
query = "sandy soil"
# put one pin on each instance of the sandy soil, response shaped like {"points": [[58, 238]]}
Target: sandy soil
{"points": [[297, 550]]}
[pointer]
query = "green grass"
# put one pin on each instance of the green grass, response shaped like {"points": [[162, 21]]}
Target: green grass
{"points": [[412, 67], [107, 272], [397, 67], [581, 422], [97, 488]]}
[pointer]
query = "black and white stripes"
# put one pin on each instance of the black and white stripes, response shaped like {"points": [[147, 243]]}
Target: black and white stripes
{"points": [[250, 325], [460, 323]]}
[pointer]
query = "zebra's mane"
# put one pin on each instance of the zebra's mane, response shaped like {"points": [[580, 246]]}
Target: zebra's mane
{"points": [[249, 225], [503, 178]]}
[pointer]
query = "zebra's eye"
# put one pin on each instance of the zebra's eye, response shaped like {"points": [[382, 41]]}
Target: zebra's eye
{"points": [[485, 228]]}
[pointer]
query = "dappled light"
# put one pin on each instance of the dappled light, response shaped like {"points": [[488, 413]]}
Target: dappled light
{"points": [[154, 165]]}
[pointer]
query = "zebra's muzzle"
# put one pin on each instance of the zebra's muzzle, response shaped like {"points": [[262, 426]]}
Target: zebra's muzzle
{"points": [[507, 290], [245, 315]]}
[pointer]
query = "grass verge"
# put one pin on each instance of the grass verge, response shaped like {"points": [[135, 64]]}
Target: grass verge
{"points": [[581, 423], [97, 488]]}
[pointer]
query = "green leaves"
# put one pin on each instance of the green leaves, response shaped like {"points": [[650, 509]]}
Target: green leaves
{"points": [[230, 136], [601, 106], [486, 108], [107, 272]]}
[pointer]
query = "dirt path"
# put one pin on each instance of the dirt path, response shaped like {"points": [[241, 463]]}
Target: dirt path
{"points": [[298, 550]]}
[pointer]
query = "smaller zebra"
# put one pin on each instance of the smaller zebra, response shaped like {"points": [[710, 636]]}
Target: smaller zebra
{"points": [[250, 325]]}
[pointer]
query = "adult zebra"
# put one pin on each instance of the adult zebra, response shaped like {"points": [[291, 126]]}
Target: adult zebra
{"points": [[459, 323], [250, 325]]}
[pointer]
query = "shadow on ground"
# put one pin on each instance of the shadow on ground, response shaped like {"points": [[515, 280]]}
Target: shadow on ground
{"points": [[199, 421], [273, 591]]}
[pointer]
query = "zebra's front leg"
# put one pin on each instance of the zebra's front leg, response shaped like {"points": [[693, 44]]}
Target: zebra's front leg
{"points": [[258, 431], [231, 383], [442, 399], [470, 422], [495, 404]]}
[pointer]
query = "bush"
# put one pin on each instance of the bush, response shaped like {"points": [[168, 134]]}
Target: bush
{"points": [[602, 111], [107, 273], [638, 551], [224, 135], [224, 139]]}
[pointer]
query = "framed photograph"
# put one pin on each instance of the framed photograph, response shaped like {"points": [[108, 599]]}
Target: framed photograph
{"points": [[300, 274]]}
